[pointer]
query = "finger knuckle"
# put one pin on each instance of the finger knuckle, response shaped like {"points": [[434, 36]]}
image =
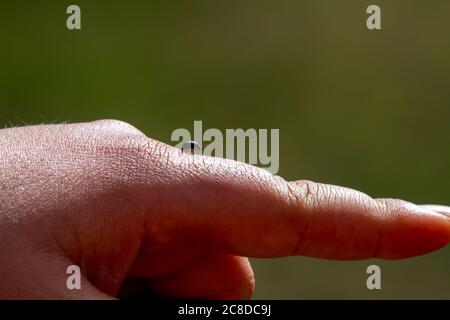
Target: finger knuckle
{"points": [[117, 127]]}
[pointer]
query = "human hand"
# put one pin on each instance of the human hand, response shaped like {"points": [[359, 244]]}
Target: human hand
{"points": [[122, 206]]}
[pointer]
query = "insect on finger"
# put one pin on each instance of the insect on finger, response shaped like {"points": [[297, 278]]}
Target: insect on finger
{"points": [[191, 147]]}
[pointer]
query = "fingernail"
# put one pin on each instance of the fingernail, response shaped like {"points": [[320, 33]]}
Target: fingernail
{"points": [[443, 210]]}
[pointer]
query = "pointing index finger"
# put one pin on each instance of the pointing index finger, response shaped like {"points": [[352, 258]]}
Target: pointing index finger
{"points": [[244, 210]]}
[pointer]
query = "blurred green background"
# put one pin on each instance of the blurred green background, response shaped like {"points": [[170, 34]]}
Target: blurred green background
{"points": [[364, 109]]}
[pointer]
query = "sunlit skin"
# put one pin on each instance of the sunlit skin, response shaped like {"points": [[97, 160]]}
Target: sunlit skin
{"points": [[122, 206]]}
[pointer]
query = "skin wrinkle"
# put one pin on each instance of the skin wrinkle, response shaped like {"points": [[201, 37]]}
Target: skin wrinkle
{"points": [[355, 197], [152, 160], [110, 271], [110, 280], [299, 193], [102, 194], [96, 152], [163, 169], [197, 179], [285, 193]]}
